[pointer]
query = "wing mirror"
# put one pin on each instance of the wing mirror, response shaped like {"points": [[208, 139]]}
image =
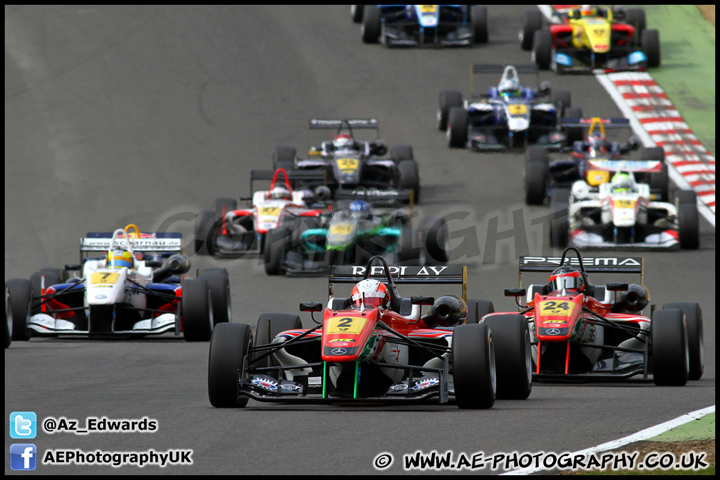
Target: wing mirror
{"points": [[515, 292], [311, 307], [419, 300]]}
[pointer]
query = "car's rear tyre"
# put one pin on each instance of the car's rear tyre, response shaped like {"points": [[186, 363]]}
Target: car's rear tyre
{"points": [[284, 157], [537, 166], [356, 13], [478, 309], [473, 359], [561, 99], [448, 99], [21, 292], [659, 181], [268, 326], [409, 177], [560, 223], [669, 348], [636, 18], [513, 357], [532, 21], [457, 128], [274, 250], [542, 49], [694, 329], [435, 238], [197, 310], [401, 152], [573, 134], [205, 226], [371, 24], [478, 20], [230, 345], [219, 285], [688, 219], [651, 46]]}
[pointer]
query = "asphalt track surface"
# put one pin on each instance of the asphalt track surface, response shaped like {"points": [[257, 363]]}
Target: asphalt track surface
{"points": [[144, 115]]}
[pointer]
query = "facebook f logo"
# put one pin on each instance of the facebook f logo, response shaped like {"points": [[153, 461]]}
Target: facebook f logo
{"points": [[23, 456], [23, 425]]}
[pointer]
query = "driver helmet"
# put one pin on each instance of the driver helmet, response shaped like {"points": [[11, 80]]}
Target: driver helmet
{"points": [[597, 142], [280, 193], [588, 11], [119, 259], [621, 182], [567, 278], [370, 294], [509, 88], [343, 142], [359, 208]]}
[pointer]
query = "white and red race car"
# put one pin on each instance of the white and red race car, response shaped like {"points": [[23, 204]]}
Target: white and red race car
{"points": [[228, 231], [623, 213]]}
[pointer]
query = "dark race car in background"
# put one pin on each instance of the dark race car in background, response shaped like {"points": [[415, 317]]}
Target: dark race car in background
{"points": [[422, 25], [350, 235], [348, 163], [507, 116]]}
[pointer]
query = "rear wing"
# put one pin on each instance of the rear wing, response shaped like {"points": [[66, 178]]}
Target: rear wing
{"points": [[375, 197], [303, 177], [400, 274], [497, 68], [624, 265], [626, 165], [596, 122], [334, 124], [148, 242]]}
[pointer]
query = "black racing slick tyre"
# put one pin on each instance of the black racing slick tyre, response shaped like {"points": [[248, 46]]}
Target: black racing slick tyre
{"points": [[560, 222], [356, 13], [229, 348], [573, 134], [371, 27], [513, 357], [197, 310], [401, 152], [650, 40], [536, 175], [473, 360], [219, 285], [478, 309], [268, 326], [435, 239], [688, 219], [669, 348], [479, 22], [274, 250], [561, 99], [205, 232], [659, 181], [457, 128], [21, 293], [542, 49], [532, 21], [694, 328], [636, 18], [448, 99], [409, 177]]}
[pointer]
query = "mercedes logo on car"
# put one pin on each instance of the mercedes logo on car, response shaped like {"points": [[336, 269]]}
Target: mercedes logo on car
{"points": [[338, 351], [552, 331]]}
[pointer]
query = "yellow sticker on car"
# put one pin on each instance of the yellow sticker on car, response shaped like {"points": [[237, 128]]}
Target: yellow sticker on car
{"points": [[340, 229], [347, 164], [517, 109], [552, 307], [624, 203], [104, 278], [272, 211], [345, 325], [427, 8]]}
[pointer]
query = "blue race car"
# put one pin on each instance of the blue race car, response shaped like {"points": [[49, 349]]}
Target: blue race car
{"points": [[416, 25], [508, 116]]}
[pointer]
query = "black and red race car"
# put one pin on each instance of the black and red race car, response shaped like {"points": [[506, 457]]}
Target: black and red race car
{"points": [[374, 347], [598, 332]]}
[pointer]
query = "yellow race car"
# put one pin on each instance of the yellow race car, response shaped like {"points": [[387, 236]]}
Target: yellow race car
{"points": [[588, 38]]}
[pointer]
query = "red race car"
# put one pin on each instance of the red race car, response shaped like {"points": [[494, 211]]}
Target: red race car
{"points": [[374, 346], [585, 331]]}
